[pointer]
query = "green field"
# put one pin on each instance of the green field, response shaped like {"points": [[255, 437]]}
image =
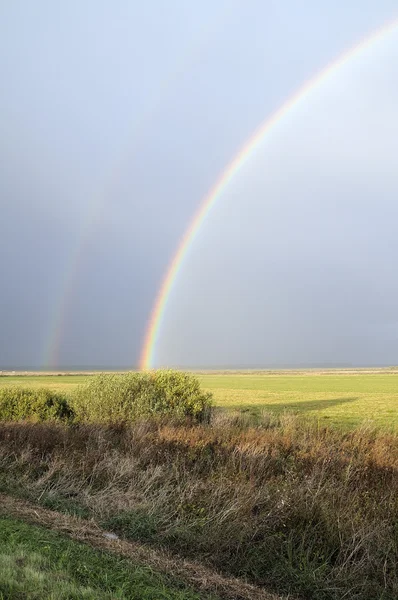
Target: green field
{"points": [[345, 398]]}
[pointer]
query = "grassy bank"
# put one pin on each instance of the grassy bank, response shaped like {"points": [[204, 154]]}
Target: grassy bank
{"points": [[36, 563], [289, 505]]}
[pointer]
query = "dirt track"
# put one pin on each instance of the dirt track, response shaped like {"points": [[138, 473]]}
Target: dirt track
{"points": [[192, 573]]}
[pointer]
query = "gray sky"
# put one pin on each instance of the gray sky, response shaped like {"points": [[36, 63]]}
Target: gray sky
{"points": [[117, 117]]}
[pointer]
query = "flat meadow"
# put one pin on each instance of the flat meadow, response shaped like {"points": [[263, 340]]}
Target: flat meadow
{"points": [[346, 398], [289, 486]]}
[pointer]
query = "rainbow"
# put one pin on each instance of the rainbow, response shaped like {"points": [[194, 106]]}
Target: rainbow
{"points": [[174, 268], [57, 321]]}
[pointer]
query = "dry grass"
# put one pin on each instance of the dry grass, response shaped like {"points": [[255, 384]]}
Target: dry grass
{"points": [[303, 509]]}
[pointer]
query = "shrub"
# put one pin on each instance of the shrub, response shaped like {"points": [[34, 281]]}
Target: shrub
{"points": [[33, 404], [123, 398]]}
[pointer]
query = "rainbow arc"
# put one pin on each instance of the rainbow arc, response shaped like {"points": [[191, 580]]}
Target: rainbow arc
{"points": [[244, 154]]}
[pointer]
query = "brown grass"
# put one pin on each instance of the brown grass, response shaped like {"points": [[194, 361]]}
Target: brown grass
{"points": [[288, 505]]}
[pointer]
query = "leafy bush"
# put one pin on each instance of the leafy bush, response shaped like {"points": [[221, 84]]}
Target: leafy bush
{"points": [[121, 398], [33, 404]]}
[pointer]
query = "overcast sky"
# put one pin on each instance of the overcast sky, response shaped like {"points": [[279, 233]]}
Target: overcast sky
{"points": [[117, 117]]}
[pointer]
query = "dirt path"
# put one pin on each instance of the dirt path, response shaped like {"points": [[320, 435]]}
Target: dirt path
{"points": [[194, 574]]}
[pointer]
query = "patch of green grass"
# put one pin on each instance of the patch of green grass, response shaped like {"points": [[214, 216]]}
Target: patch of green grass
{"points": [[55, 382], [39, 564], [136, 525], [346, 400]]}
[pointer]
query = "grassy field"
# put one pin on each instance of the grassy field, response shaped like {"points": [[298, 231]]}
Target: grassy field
{"points": [[39, 564], [274, 500], [62, 383], [254, 492], [345, 398]]}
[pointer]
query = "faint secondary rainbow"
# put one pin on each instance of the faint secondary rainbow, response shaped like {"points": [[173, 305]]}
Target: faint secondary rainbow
{"points": [[159, 308], [100, 195]]}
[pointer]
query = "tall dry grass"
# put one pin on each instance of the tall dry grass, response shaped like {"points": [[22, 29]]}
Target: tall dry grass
{"points": [[307, 510]]}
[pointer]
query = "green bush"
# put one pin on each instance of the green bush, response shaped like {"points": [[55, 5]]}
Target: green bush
{"points": [[33, 404], [121, 398]]}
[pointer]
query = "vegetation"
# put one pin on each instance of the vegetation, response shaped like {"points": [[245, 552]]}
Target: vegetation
{"points": [[39, 564], [342, 398], [111, 399], [123, 398], [36, 404], [288, 504], [281, 500]]}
